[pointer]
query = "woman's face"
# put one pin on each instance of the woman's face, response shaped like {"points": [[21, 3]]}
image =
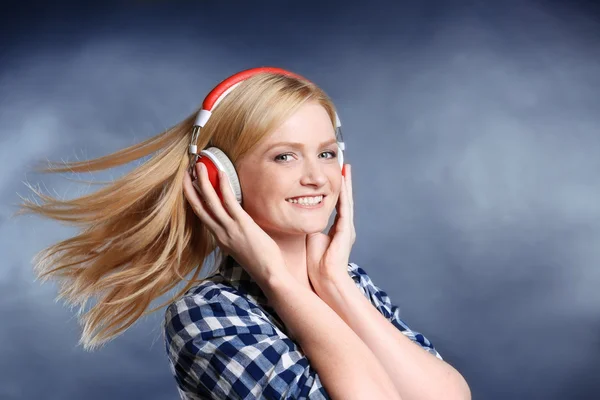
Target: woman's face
{"points": [[272, 173]]}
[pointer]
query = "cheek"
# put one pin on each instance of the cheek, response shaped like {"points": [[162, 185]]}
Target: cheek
{"points": [[337, 183], [261, 197]]}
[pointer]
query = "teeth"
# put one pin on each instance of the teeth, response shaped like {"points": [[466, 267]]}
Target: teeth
{"points": [[306, 200]]}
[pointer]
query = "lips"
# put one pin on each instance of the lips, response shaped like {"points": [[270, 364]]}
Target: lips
{"points": [[306, 195], [307, 206]]}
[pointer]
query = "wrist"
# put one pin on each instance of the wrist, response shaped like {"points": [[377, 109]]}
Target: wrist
{"points": [[274, 276], [280, 287], [330, 283], [335, 291], [334, 274]]}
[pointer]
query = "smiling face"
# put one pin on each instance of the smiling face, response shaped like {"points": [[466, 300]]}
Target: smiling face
{"points": [[271, 173]]}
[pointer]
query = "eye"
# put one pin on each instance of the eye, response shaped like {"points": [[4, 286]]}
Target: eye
{"points": [[277, 158], [333, 153]]}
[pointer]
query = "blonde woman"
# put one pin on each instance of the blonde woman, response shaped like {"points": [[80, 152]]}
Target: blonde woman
{"points": [[251, 178]]}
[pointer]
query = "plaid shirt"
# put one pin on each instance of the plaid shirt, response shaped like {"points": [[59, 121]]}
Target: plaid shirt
{"points": [[224, 342]]}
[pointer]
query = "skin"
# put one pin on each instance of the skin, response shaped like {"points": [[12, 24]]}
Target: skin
{"points": [[268, 178]]}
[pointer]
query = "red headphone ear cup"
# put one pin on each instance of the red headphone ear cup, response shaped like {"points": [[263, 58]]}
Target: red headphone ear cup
{"points": [[224, 164]]}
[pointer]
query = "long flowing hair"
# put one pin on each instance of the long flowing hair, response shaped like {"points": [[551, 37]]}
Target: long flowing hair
{"points": [[138, 236]]}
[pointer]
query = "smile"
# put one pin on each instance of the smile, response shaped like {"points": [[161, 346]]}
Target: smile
{"points": [[307, 202]]}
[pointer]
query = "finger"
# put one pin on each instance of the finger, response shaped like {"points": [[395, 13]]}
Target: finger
{"points": [[350, 197], [342, 199], [340, 213], [233, 208], [347, 213], [348, 179], [213, 203], [334, 227], [341, 217], [193, 198]]}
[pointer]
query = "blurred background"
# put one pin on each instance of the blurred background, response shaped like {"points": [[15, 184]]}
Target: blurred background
{"points": [[471, 128]]}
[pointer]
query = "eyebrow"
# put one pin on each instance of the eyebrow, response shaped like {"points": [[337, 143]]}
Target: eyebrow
{"points": [[298, 145]]}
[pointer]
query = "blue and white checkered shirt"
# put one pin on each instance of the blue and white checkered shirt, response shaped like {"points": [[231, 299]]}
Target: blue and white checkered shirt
{"points": [[224, 342]]}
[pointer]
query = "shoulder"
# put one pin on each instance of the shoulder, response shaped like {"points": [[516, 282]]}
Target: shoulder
{"points": [[220, 346], [375, 293], [390, 310], [364, 282], [213, 308], [194, 301], [356, 271]]}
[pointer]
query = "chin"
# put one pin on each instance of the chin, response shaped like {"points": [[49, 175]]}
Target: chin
{"points": [[304, 229], [314, 228]]}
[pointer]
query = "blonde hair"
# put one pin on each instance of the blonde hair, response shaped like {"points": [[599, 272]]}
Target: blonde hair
{"points": [[139, 236]]}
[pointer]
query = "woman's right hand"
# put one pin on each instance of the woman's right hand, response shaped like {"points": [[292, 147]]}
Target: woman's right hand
{"points": [[234, 229]]}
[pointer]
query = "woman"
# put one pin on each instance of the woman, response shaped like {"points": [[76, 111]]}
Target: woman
{"points": [[284, 315]]}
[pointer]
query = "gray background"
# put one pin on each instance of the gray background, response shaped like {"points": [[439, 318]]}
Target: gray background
{"points": [[471, 126]]}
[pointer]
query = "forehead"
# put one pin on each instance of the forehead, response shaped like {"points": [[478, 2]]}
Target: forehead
{"points": [[311, 123]]}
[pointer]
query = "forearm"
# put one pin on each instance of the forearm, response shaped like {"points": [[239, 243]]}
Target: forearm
{"points": [[416, 373], [346, 366]]}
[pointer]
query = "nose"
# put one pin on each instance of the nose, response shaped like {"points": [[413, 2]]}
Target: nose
{"points": [[313, 173]]}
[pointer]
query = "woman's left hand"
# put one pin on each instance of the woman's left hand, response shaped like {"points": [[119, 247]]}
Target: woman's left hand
{"points": [[327, 255]]}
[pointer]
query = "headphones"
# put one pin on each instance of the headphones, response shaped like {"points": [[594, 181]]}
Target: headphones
{"points": [[214, 158]]}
